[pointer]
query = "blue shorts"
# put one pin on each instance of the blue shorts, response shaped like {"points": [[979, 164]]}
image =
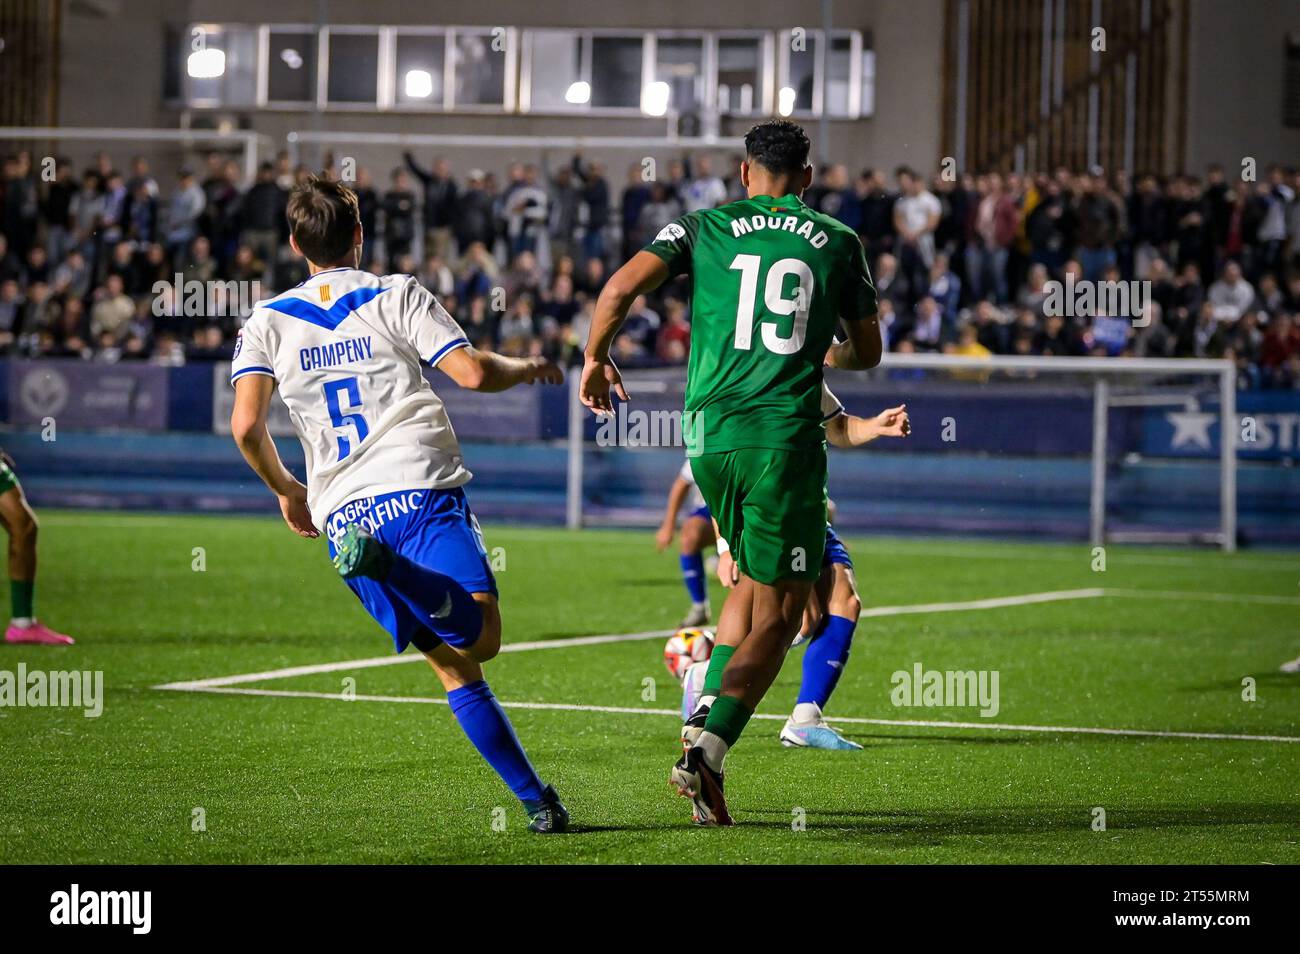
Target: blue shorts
{"points": [[434, 528], [702, 512], [836, 551]]}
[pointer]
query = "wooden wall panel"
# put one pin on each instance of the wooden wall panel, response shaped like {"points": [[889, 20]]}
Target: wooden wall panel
{"points": [[1004, 84], [29, 63]]}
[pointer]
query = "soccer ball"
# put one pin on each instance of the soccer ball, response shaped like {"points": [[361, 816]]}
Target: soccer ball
{"points": [[687, 646]]}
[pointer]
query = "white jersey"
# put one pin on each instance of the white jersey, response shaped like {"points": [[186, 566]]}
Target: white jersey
{"points": [[345, 349], [831, 406], [695, 500]]}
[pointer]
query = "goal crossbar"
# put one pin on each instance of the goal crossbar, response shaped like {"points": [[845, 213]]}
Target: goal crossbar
{"points": [[250, 141]]}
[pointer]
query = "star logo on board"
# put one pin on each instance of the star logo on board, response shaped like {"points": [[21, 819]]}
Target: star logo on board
{"points": [[1191, 428]]}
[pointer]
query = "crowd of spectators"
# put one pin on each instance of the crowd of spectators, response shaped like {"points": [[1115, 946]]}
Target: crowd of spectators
{"points": [[101, 264]]}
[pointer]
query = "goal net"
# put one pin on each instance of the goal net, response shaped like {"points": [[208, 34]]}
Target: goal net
{"points": [[1106, 450]]}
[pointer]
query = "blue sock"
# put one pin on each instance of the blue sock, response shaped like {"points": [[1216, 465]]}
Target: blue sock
{"points": [[693, 576], [485, 722], [443, 604], [825, 658]]}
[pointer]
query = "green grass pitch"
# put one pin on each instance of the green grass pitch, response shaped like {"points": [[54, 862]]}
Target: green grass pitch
{"points": [[306, 779]]}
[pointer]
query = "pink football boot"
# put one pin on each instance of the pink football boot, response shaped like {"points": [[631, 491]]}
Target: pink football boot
{"points": [[38, 632]]}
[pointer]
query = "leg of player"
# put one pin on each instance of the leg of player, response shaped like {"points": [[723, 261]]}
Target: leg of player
{"points": [[733, 626], [814, 612], [20, 524], [776, 611], [697, 534], [488, 727], [446, 607], [824, 661], [411, 598]]}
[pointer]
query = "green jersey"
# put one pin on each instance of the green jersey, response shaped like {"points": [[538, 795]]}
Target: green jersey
{"points": [[770, 279]]}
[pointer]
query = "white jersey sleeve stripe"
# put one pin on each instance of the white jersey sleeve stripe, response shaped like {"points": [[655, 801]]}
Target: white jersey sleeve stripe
{"points": [[254, 370], [447, 349]]}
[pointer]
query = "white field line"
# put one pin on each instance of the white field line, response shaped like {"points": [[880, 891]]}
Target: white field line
{"points": [[347, 664], [227, 684], [1207, 597], [1048, 553], [344, 665], [904, 723], [996, 602]]}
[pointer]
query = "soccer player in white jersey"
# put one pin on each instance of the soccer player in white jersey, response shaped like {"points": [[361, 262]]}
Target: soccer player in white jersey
{"points": [[830, 618], [697, 534], [384, 469]]}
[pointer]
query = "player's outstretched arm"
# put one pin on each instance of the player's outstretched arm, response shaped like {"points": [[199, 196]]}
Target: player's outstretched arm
{"points": [[248, 426], [863, 348], [488, 371], [848, 430], [644, 272]]}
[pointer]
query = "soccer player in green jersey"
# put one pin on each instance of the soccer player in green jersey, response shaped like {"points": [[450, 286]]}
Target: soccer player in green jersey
{"points": [[19, 522], [771, 282]]}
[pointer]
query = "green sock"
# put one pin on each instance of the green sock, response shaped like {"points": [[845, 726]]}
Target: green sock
{"points": [[21, 599], [727, 719], [713, 676]]}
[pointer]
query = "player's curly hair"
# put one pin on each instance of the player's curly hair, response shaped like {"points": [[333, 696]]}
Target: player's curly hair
{"points": [[779, 146], [323, 217]]}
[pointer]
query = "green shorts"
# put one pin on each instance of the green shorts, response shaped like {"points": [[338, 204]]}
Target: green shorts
{"points": [[8, 479], [770, 506]]}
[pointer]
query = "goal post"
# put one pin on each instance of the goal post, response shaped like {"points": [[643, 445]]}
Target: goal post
{"points": [[1106, 449]]}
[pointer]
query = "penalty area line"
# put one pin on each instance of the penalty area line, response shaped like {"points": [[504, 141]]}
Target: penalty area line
{"points": [[895, 723]]}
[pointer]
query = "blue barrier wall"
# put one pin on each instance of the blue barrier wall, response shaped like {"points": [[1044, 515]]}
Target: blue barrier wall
{"points": [[1162, 476], [905, 493]]}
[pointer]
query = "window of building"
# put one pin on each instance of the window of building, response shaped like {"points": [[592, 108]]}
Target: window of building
{"points": [[220, 65], [815, 75], [352, 67], [610, 72], [568, 71], [741, 72], [616, 71], [1291, 83], [480, 61], [679, 63], [420, 62], [556, 77], [291, 65]]}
